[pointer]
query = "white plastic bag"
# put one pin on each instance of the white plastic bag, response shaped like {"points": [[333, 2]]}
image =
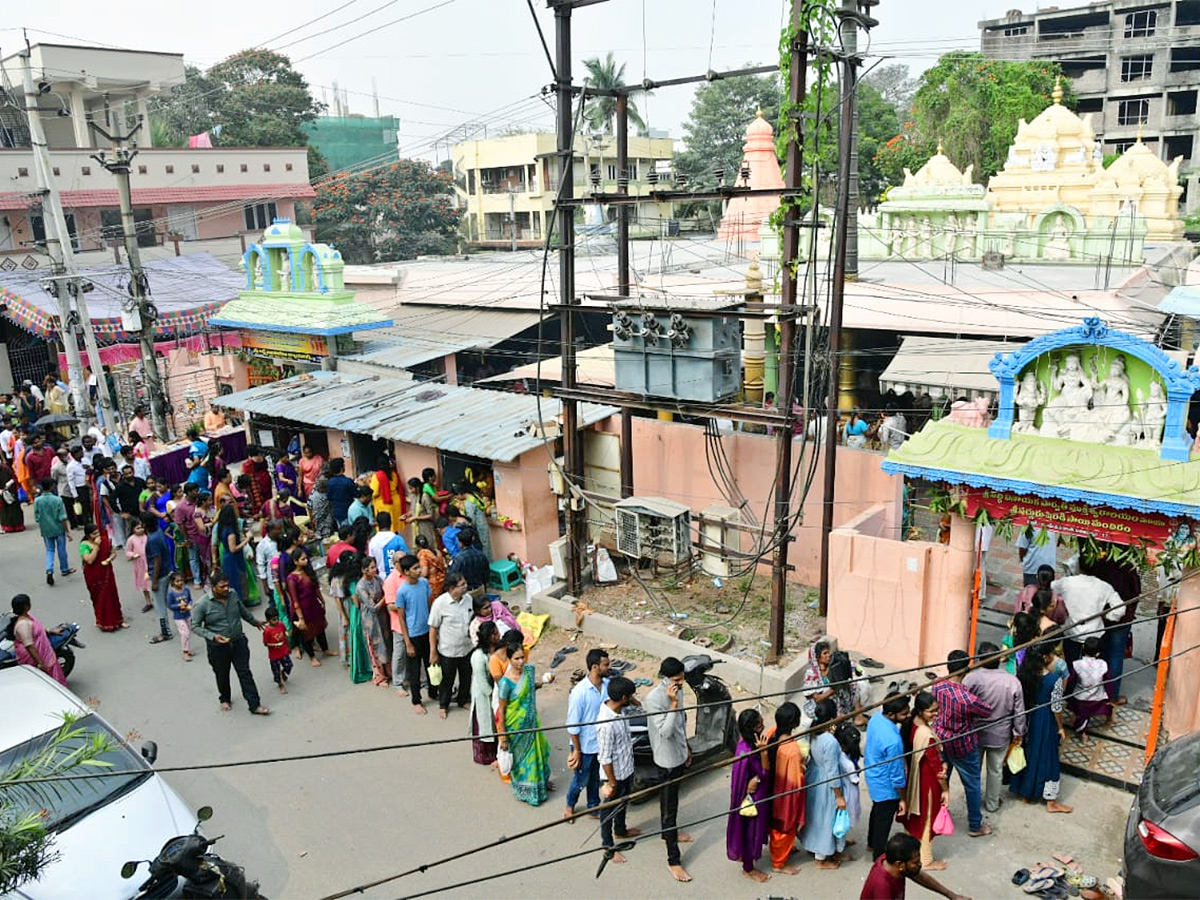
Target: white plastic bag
{"points": [[606, 572], [536, 581], [504, 761]]}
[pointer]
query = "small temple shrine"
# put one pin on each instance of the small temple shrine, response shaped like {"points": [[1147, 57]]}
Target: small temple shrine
{"points": [[745, 216], [295, 305], [1053, 201]]}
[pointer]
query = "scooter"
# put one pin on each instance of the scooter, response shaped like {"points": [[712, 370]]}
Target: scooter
{"points": [[716, 730], [62, 638], [204, 874]]}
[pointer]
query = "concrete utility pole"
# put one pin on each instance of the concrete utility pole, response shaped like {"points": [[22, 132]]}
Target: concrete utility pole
{"points": [[119, 165], [786, 387], [623, 277], [846, 215], [848, 30], [63, 280], [512, 217]]}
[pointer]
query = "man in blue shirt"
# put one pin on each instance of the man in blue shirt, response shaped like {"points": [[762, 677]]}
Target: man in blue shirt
{"points": [[412, 616], [361, 507], [341, 491], [583, 706], [884, 766], [160, 563]]}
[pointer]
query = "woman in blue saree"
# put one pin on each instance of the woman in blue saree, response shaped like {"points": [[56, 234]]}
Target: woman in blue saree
{"points": [[518, 713]]}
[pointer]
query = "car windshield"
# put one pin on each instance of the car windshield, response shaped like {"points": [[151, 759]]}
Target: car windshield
{"points": [[62, 802], [1177, 774]]}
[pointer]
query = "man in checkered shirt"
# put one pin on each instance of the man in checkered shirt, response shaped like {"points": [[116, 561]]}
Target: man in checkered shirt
{"points": [[616, 760]]}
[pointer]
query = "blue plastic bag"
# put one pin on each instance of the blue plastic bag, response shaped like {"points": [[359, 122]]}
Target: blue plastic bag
{"points": [[841, 824]]}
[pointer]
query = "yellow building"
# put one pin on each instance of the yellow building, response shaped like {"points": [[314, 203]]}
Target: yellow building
{"points": [[507, 185]]}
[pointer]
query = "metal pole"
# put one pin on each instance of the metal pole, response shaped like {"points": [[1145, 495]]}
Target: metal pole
{"points": [[57, 246], [843, 217], [623, 278], [785, 388], [572, 451], [119, 165], [848, 29], [512, 217]]}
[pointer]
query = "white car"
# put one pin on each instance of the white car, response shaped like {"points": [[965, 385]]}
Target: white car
{"points": [[98, 823]]}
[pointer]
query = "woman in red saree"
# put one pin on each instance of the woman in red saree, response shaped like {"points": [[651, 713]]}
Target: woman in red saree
{"points": [[97, 552], [787, 783], [928, 788]]}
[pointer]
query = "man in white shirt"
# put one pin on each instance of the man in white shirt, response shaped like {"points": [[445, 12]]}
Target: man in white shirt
{"points": [[1036, 551], [615, 755], [1086, 598], [6, 441], [77, 484], [450, 642], [385, 544], [267, 550]]}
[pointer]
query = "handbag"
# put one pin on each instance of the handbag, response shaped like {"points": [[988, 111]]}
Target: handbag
{"points": [[841, 824], [435, 674], [942, 823], [748, 808], [1016, 759]]}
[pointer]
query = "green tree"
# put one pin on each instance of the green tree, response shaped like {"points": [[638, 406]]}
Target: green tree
{"points": [[971, 105], [26, 846], [600, 113], [392, 212], [895, 84], [716, 127], [184, 110], [263, 100]]}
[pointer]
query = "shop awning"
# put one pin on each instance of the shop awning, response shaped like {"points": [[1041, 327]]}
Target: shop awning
{"points": [[496, 425], [944, 366], [186, 290]]}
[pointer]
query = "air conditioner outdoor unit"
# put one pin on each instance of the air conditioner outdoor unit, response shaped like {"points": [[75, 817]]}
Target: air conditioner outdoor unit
{"points": [[558, 558], [720, 540], [655, 529]]}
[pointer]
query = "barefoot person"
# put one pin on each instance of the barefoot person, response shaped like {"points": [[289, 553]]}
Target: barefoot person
{"points": [[928, 788], [1042, 683], [584, 703], [746, 830], [218, 619], [786, 758], [667, 726]]}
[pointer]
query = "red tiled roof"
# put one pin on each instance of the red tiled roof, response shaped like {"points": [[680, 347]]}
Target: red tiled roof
{"points": [[158, 196]]}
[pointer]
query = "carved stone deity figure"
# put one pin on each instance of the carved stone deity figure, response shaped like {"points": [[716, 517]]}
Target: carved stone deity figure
{"points": [[1110, 401], [911, 240], [1152, 416], [926, 250], [1059, 244], [1068, 409], [1030, 396]]}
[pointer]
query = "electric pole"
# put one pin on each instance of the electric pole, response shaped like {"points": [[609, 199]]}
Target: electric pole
{"points": [[846, 223], [786, 387], [58, 247], [118, 163]]}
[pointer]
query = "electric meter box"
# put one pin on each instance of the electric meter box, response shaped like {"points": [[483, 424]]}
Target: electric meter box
{"points": [[691, 351]]}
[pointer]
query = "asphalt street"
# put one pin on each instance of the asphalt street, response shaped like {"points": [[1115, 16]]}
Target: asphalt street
{"points": [[310, 828]]}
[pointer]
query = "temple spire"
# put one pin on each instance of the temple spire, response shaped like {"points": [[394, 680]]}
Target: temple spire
{"points": [[1057, 93]]}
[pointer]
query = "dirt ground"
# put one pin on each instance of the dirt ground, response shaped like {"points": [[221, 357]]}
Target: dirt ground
{"points": [[730, 615]]}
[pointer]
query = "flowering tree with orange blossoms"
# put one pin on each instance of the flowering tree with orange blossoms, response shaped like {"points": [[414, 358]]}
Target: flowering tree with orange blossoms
{"points": [[398, 211]]}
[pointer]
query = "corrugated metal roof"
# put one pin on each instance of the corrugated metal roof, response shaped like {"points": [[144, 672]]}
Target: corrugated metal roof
{"points": [[419, 334], [471, 421]]}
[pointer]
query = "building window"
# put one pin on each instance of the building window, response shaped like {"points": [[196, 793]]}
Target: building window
{"points": [[633, 171], [1141, 23], [141, 170], [244, 168], [1016, 30], [287, 167], [22, 172], [56, 172], [1133, 112], [612, 172], [266, 167], [170, 170], [87, 170], [259, 216], [112, 230], [1181, 103], [37, 224], [1185, 59], [1136, 68], [195, 169]]}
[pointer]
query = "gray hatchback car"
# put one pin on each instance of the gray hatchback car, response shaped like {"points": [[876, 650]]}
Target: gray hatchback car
{"points": [[1162, 836]]}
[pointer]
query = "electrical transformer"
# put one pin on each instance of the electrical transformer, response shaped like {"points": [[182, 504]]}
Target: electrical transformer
{"points": [[691, 351]]}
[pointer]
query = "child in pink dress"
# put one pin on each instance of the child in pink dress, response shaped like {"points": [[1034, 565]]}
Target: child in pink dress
{"points": [[135, 550]]}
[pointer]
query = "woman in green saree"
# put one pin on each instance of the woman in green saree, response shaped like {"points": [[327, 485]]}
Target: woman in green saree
{"points": [[517, 691]]}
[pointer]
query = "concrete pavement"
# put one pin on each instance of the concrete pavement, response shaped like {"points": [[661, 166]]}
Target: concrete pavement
{"points": [[307, 829]]}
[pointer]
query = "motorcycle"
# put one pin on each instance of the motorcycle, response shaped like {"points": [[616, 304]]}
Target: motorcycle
{"points": [[716, 729], [62, 637], [205, 875]]}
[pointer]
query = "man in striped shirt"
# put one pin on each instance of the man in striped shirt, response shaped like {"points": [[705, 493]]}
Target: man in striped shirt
{"points": [[960, 715], [616, 759]]}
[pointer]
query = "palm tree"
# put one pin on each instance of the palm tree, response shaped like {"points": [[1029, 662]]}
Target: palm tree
{"points": [[601, 112]]}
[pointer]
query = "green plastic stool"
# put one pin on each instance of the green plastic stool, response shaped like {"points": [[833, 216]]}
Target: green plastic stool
{"points": [[505, 575]]}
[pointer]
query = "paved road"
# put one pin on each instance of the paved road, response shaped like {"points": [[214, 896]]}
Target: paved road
{"points": [[307, 829]]}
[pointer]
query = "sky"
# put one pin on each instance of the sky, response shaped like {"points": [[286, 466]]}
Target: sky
{"points": [[456, 63]]}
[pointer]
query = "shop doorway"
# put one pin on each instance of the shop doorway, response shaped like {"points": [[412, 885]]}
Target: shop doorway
{"points": [[368, 452]]}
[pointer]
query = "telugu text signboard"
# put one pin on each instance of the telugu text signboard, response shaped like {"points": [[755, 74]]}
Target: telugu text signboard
{"points": [[280, 345], [1118, 526]]}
